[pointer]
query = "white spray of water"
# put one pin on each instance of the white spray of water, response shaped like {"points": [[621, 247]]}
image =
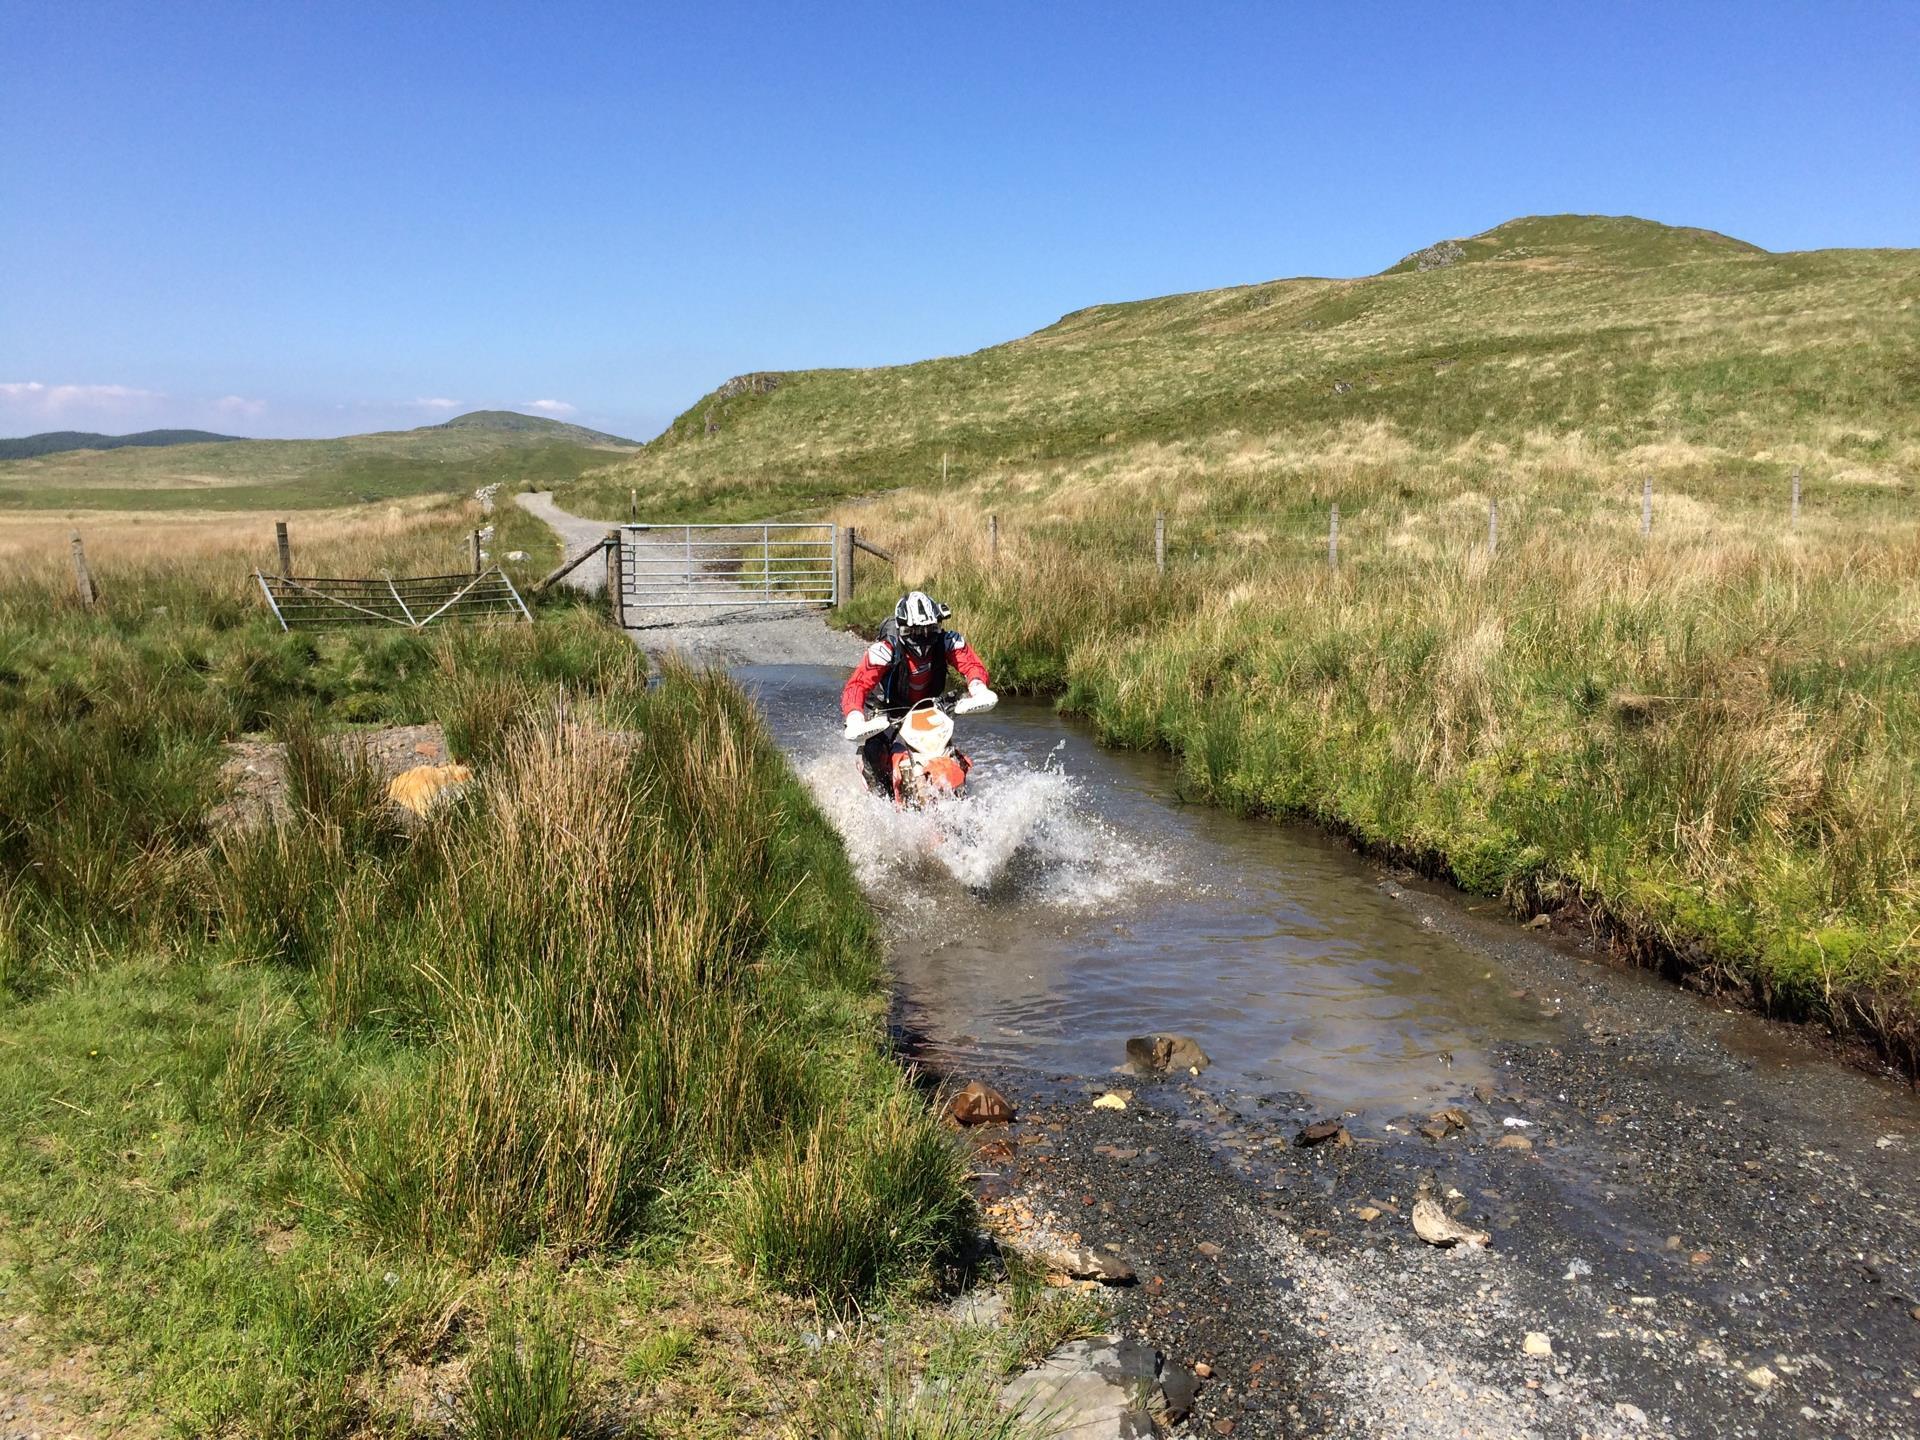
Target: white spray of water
{"points": [[1017, 829]]}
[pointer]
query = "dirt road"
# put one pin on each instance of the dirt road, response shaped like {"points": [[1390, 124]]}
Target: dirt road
{"points": [[718, 635]]}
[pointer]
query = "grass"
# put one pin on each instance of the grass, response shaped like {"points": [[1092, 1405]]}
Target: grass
{"points": [[311, 1125], [1705, 738]]}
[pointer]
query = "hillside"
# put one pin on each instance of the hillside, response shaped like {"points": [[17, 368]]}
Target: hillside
{"points": [[1704, 742], [461, 455], [52, 442], [1708, 360]]}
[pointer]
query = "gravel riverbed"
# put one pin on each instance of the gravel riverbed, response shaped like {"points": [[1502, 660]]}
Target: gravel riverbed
{"points": [[1702, 1228]]}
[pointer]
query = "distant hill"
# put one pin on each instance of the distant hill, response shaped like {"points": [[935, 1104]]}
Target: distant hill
{"points": [[52, 442], [529, 424], [219, 472], [1613, 241]]}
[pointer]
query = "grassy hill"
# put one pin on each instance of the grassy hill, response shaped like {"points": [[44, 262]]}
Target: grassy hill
{"points": [[50, 442], [461, 455], [1705, 741], [1628, 333]]}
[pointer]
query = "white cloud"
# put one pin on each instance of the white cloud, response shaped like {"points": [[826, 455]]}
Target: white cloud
{"points": [[239, 405], [33, 397], [552, 407], [435, 402]]}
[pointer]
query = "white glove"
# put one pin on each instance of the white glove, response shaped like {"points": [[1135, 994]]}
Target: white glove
{"points": [[856, 724], [979, 698]]}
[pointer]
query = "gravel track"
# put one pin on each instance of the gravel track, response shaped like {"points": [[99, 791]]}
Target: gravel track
{"points": [[796, 635]]}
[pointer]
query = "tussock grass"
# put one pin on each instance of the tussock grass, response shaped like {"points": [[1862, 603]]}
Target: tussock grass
{"points": [[523, 1387], [851, 1204], [327, 1084]]}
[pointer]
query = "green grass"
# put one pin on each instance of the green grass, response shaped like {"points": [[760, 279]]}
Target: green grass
{"points": [[298, 1118], [1708, 737]]}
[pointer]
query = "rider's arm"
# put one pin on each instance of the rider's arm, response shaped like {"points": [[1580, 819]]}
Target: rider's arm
{"points": [[962, 657], [870, 671]]}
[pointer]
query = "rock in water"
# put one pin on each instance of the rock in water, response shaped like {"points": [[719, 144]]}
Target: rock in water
{"points": [[1436, 1227], [979, 1104], [1166, 1052], [1321, 1131]]}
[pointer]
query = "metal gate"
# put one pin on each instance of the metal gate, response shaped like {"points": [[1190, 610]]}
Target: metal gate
{"points": [[666, 567]]}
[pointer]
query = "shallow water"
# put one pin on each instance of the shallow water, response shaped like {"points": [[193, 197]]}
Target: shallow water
{"points": [[1071, 900]]}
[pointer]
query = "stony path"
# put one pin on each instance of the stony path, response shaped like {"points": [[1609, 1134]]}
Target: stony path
{"points": [[782, 636]]}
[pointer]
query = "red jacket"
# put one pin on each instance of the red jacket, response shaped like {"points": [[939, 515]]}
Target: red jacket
{"points": [[919, 677]]}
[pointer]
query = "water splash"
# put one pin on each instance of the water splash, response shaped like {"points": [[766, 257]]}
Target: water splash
{"points": [[1017, 833]]}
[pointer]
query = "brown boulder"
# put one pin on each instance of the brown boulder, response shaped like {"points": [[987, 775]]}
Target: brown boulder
{"points": [[979, 1104]]}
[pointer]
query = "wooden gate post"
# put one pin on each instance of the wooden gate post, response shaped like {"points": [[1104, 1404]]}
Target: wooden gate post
{"points": [[82, 576], [1646, 505], [1333, 537], [616, 587], [286, 550], [843, 582], [1160, 542], [993, 538], [1493, 525], [473, 549]]}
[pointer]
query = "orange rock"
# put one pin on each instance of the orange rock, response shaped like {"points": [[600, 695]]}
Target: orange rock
{"points": [[417, 789]]}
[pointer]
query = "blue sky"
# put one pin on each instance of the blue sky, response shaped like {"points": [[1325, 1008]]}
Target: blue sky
{"points": [[320, 219]]}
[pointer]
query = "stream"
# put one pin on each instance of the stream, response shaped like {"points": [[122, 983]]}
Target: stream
{"points": [[1072, 900]]}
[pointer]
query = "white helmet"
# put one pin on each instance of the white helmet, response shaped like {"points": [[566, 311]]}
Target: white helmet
{"points": [[917, 608]]}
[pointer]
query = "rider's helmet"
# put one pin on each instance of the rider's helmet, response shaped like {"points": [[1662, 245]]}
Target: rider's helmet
{"points": [[917, 618]]}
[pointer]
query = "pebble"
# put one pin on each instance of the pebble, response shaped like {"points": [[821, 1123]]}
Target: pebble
{"points": [[1761, 1378], [1632, 1414], [1203, 1370], [1110, 1101], [1538, 1345]]}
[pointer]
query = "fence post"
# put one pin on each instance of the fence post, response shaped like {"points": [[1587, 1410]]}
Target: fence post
{"points": [[286, 549], [1333, 537], [616, 586], [82, 576], [1793, 519], [993, 538], [846, 563], [1160, 542], [633, 506], [1646, 505], [1493, 525], [943, 469], [473, 549]]}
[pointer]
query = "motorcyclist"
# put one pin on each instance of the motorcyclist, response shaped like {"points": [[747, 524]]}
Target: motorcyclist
{"points": [[911, 661]]}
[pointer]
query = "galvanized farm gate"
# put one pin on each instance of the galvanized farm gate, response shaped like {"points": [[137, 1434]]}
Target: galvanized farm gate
{"points": [[674, 567], [413, 602]]}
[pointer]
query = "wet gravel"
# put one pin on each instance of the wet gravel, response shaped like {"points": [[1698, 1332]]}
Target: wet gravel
{"points": [[1716, 1228]]}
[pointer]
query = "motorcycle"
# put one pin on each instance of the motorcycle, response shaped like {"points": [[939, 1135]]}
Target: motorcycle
{"points": [[931, 769]]}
